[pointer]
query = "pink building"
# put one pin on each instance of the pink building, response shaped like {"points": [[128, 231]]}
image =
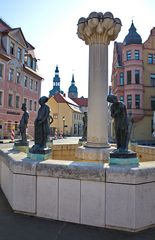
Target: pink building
{"points": [[19, 79], [133, 80]]}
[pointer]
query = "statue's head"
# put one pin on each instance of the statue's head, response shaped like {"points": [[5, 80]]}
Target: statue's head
{"points": [[112, 98], [43, 100]]}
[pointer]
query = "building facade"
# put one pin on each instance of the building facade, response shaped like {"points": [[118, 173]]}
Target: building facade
{"points": [[67, 116], [133, 81], [20, 81]]}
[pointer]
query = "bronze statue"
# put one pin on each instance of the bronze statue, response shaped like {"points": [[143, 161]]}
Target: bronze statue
{"points": [[119, 114], [42, 126], [23, 124], [84, 137]]}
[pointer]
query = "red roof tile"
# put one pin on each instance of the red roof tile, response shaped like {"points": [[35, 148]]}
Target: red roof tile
{"points": [[82, 102]]}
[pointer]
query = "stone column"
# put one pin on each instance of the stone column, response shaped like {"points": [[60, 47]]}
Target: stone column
{"points": [[97, 31]]}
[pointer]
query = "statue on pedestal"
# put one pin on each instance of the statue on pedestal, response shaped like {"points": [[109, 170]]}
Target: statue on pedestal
{"points": [[23, 124], [42, 127], [123, 127], [119, 114], [85, 121]]}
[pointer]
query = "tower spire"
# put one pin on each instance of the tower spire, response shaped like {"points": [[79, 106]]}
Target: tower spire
{"points": [[56, 83], [72, 91]]}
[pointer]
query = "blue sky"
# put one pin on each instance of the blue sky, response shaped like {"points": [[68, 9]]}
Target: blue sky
{"points": [[50, 26]]}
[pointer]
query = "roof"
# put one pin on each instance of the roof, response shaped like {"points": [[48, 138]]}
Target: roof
{"points": [[5, 29], [59, 98], [12, 30], [74, 108], [3, 25], [82, 102], [72, 88], [132, 37]]}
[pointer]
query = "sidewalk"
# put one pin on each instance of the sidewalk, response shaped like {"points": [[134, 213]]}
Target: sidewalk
{"points": [[15, 226]]}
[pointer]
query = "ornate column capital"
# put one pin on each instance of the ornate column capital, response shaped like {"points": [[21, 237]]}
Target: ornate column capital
{"points": [[98, 28]]}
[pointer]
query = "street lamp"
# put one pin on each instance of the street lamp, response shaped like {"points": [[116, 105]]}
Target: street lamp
{"points": [[63, 119]]}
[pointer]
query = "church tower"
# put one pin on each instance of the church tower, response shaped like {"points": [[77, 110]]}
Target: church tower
{"points": [[72, 91], [56, 84]]}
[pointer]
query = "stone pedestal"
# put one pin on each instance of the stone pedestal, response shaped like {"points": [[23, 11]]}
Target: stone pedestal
{"points": [[21, 147], [40, 155], [93, 154], [123, 158]]}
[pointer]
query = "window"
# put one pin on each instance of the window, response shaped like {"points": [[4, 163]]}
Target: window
{"points": [[18, 78], [128, 77], [12, 46], [128, 55], [25, 101], [137, 55], [25, 81], [9, 126], [121, 79], [152, 77], [16, 125], [17, 101], [30, 105], [129, 101], [153, 103], [30, 61], [115, 82], [19, 53], [36, 86], [31, 84], [137, 101], [35, 106], [1, 98], [1, 70], [11, 73], [10, 100], [151, 58], [121, 98], [34, 64], [137, 76]]}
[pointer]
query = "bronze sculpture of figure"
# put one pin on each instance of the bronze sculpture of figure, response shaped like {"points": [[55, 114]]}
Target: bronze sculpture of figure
{"points": [[84, 137], [119, 114], [23, 124], [42, 126]]}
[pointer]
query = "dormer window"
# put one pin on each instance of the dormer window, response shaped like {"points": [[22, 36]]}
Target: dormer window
{"points": [[12, 46], [34, 64], [19, 53], [28, 61]]}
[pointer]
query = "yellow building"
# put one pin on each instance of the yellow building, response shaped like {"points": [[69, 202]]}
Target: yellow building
{"points": [[67, 116]]}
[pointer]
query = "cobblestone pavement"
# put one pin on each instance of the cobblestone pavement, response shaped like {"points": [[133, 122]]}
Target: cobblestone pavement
{"points": [[15, 226]]}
